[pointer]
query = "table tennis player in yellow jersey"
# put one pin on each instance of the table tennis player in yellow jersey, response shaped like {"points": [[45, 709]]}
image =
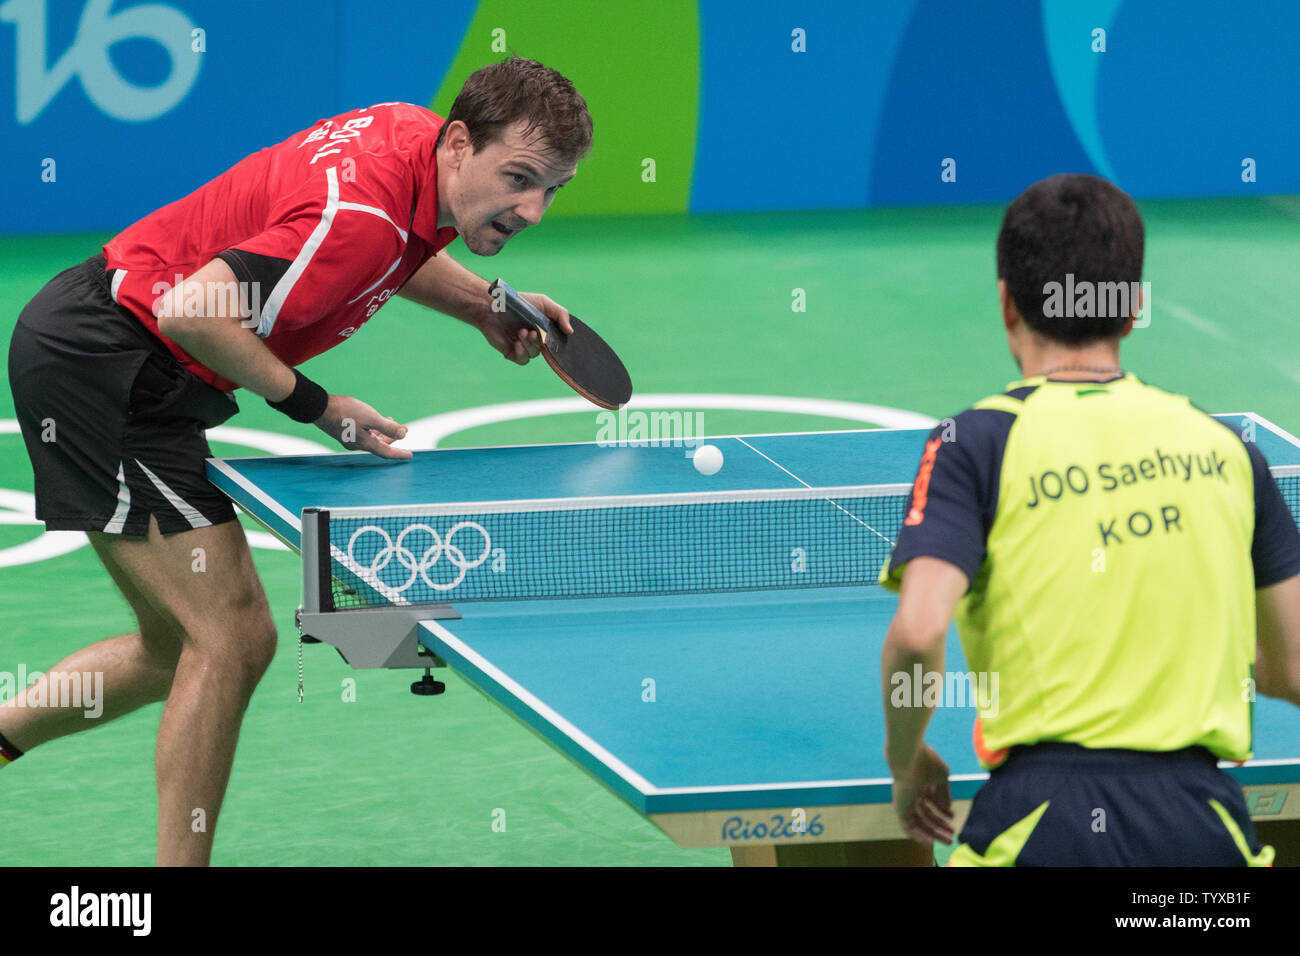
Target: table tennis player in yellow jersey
{"points": [[1123, 563]]}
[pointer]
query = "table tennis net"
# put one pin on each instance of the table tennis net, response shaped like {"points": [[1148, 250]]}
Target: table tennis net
{"points": [[612, 547]]}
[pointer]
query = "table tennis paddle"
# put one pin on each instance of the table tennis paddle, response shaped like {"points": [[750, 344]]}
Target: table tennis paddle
{"points": [[583, 360]]}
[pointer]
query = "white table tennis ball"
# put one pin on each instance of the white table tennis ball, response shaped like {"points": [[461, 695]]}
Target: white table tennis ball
{"points": [[707, 459]]}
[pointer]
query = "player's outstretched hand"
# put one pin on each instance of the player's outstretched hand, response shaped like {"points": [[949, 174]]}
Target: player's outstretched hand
{"points": [[923, 800], [357, 426], [516, 341]]}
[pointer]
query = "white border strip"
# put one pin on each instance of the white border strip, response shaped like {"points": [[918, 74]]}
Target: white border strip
{"points": [[619, 501], [1277, 430], [705, 439], [540, 707], [224, 465], [792, 785], [644, 443], [876, 781]]}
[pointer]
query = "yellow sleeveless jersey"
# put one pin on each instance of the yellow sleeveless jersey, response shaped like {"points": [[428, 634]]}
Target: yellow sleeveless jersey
{"points": [[1109, 534]]}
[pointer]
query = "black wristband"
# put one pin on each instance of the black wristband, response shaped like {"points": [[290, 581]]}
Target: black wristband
{"points": [[305, 403]]}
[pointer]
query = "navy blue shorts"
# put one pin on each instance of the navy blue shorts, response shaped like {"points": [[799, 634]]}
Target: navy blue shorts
{"points": [[1061, 804]]}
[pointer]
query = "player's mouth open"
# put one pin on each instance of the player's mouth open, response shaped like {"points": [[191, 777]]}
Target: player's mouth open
{"points": [[502, 229]]}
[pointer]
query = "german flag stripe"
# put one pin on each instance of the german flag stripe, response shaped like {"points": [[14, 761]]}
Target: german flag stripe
{"points": [[8, 752]]}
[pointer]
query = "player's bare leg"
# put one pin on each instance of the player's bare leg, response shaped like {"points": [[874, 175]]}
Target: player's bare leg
{"points": [[125, 673], [216, 604]]}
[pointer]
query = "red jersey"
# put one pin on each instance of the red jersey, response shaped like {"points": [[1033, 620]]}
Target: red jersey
{"points": [[320, 231]]}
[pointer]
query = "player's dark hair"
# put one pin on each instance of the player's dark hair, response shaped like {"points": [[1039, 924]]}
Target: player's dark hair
{"points": [[1070, 224], [500, 94]]}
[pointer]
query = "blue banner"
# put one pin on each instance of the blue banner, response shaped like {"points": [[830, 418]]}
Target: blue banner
{"points": [[112, 108]]}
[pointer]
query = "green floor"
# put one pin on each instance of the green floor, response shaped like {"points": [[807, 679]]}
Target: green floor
{"points": [[901, 311]]}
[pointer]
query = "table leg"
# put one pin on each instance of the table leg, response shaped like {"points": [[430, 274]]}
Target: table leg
{"points": [[874, 853], [1284, 837]]}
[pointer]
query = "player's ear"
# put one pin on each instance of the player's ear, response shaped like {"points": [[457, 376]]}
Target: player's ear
{"points": [[458, 142], [1010, 315]]}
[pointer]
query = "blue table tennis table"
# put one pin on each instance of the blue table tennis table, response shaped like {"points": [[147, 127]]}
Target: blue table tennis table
{"points": [[744, 711]]}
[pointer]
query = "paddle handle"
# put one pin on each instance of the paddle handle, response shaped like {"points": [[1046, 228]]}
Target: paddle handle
{"points": [[521, 308]]}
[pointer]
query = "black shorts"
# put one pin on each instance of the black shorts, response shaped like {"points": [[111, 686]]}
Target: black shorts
{"points": [[114, 425], [1064, 805]]}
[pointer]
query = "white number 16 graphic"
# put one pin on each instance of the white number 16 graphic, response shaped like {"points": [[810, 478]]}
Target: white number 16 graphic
{"points": [[37, 82]]}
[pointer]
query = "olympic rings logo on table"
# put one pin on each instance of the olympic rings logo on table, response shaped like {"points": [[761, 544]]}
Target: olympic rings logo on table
{"points": [[406, 557]]}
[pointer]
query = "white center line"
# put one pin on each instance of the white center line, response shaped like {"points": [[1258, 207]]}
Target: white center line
{"points": [[806, 485]]}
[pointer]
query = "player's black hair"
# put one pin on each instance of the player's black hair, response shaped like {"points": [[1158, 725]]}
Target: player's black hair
{"points": [[1078, 225], [496, 96]]}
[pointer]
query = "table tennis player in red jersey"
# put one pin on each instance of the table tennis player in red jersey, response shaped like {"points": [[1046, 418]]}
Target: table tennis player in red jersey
{"points": [[119, 364]]}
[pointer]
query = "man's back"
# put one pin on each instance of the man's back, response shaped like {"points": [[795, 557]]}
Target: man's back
{"points": [[1115, 600]]}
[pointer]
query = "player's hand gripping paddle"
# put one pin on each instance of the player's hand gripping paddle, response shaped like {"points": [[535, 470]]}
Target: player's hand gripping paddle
{"points": [[582, 359]]}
